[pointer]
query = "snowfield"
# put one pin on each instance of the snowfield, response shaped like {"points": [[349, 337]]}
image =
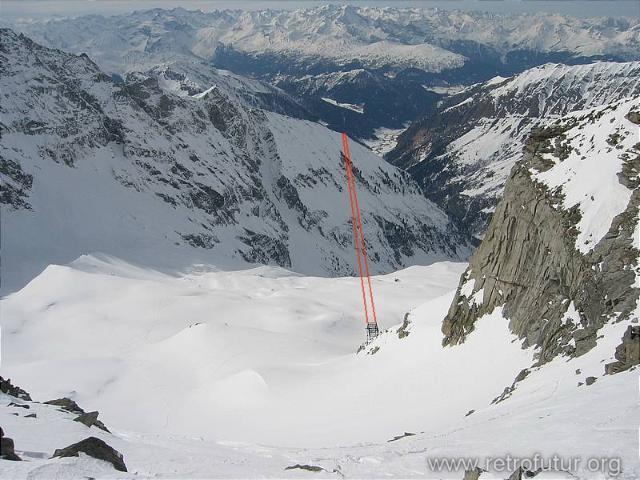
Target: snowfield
{"points": [[236, 374], [588, 177]]}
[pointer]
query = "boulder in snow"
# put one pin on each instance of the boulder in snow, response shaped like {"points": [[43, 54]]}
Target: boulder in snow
{"points": [[7, 451], [96, 448], [66, 404], [90, 419], [627, 353]]}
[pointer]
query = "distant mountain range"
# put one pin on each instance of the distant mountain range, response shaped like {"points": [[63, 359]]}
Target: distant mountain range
{"points": [[351, 55]]}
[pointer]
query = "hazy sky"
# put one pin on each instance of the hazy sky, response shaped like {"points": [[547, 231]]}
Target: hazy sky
{"points": [[47, 8]]}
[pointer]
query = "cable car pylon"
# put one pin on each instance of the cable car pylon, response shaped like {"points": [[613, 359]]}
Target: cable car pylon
{"points": [[371, 321]]}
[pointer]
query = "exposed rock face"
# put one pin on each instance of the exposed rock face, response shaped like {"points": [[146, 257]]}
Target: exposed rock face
{"points": [[95, 448], [462, 154], [560, 254]]}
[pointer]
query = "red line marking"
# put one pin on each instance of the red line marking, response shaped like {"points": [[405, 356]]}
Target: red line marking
{"points": [[358, 232], [354, 223]]}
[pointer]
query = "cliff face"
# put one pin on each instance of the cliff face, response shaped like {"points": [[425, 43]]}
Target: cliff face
{"points": [[561, 252]]}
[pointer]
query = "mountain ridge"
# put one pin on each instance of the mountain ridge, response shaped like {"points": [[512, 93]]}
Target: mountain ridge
{"points": [[401, 48], [462, 153], [130, 168]]}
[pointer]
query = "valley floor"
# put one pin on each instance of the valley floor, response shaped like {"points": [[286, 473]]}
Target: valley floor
{"points": [[240, 374]]}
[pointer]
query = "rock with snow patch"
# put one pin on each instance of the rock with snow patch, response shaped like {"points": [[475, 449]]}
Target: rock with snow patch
{"points": [[66, 404], [9, 389], [90, 419], [627, 353], [559, 272], [96, 448]]}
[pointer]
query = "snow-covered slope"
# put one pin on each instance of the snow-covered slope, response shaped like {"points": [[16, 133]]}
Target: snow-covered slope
{"points": [[234, 344], [463, 154], [242, 374], [236, 374], [167, 179], [594, 169]]}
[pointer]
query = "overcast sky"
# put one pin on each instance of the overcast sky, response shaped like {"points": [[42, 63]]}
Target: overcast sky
{"points": [[48, 8]]}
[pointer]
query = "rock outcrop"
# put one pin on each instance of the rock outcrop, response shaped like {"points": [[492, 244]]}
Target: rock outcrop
{"points": [[561, 253], [96, 448], [9, 389], [90, 419], [66, 404], [7, 449], [627, 353]]}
